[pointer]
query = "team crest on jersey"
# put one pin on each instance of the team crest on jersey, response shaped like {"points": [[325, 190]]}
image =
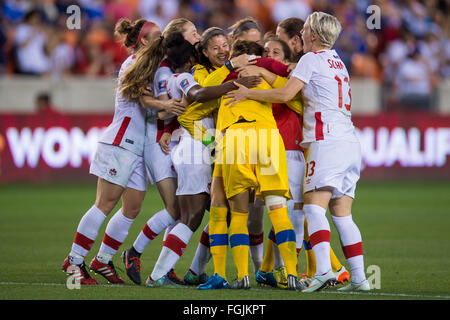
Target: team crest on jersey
{"points": [[112, 172], [162, 84], [184, 83]]}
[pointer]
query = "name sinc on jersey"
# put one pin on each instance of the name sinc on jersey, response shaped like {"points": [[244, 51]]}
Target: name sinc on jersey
{"points": [[334, 64]]}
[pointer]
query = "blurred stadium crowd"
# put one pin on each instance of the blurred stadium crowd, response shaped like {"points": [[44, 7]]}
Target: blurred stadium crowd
{"points": [[409, 54]]}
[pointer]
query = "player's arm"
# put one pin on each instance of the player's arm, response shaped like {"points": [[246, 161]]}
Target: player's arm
{"points": [[280, 95], [162, 103], [203, 94]]}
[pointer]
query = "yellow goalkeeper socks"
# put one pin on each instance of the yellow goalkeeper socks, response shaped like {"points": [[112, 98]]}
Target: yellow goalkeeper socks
{"points": [[218, 239], [239, 242], [285, 238]]}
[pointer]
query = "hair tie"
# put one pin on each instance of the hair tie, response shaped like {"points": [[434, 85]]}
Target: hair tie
{"points": [[146, 27]]}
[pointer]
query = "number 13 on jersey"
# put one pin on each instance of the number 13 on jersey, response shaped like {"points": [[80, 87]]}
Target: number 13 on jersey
{"points": [[340, 91]]}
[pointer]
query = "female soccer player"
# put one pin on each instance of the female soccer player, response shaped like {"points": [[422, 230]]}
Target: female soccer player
{"points": [[268, 174], [152, 69], [188, 156], [329, 181], [119, 165]]}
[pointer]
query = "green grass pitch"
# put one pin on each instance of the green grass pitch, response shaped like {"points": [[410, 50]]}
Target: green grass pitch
{"points": [[405, 229]]}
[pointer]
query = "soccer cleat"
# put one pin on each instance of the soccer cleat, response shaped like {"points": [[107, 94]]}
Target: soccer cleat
{"points": [[214, 282], [106, 270], [133, 265], [164, 281], [173, 277], [281, 276], [244, 283], [342, 275], [294, 284], [266, 278], [79, 272], [321, 282], [191, 279], [363, 286]]}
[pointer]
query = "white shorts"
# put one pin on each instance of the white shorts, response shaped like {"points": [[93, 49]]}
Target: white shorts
{"points": [[119, 166], [334, 164], [193, 166], [158, 164], [296, 170]]}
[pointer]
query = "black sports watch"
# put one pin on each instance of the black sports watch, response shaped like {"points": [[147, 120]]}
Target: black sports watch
{"points": [[229, 65]]}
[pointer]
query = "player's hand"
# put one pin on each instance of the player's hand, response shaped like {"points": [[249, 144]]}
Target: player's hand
{"points": [[249, 82], [164, 142], [238, 95], [249, 70], [175, 106], [244, 60]]}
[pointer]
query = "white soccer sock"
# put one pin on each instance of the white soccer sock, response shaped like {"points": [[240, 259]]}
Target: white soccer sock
{"points": [[115, 234], [351, 245], [86, 234], [172, 249], [202, 254], [297, 217], [319, 236], [154, 226], [256, 249]]}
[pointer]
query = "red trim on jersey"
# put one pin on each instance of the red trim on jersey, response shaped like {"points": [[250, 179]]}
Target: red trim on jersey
{"points": [[175, 244], [111, 242], [149, 233], [319, 126], [316, 52], [121, 132], [204, 239], [83, 241], [319, 236], [353, 250]]}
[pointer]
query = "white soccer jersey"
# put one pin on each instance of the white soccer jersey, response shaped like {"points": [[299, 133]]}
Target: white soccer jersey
{"points": [[326, 96], [128, 125], [162, 75]]}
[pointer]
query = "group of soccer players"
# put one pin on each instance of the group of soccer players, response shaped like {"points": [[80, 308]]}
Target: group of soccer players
{"points": [[231, 123]]}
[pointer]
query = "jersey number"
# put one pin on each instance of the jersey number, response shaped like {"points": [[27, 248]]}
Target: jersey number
{"points": [[310, 168], [347, 106]]}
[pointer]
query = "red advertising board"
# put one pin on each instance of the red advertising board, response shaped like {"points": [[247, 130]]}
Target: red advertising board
{"points": [[58, 147]]}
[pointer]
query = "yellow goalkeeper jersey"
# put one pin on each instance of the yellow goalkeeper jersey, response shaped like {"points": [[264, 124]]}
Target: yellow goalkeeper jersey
{"points": [[197, 111]]}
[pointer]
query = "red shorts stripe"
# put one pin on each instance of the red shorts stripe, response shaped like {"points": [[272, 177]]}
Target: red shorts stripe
{"points": [[319, 236], [319, 126], [121, 132], [175, 244], [256, 239], [83, 241], [204, 239], [149, 232], [110, 242], [353, 250]]}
